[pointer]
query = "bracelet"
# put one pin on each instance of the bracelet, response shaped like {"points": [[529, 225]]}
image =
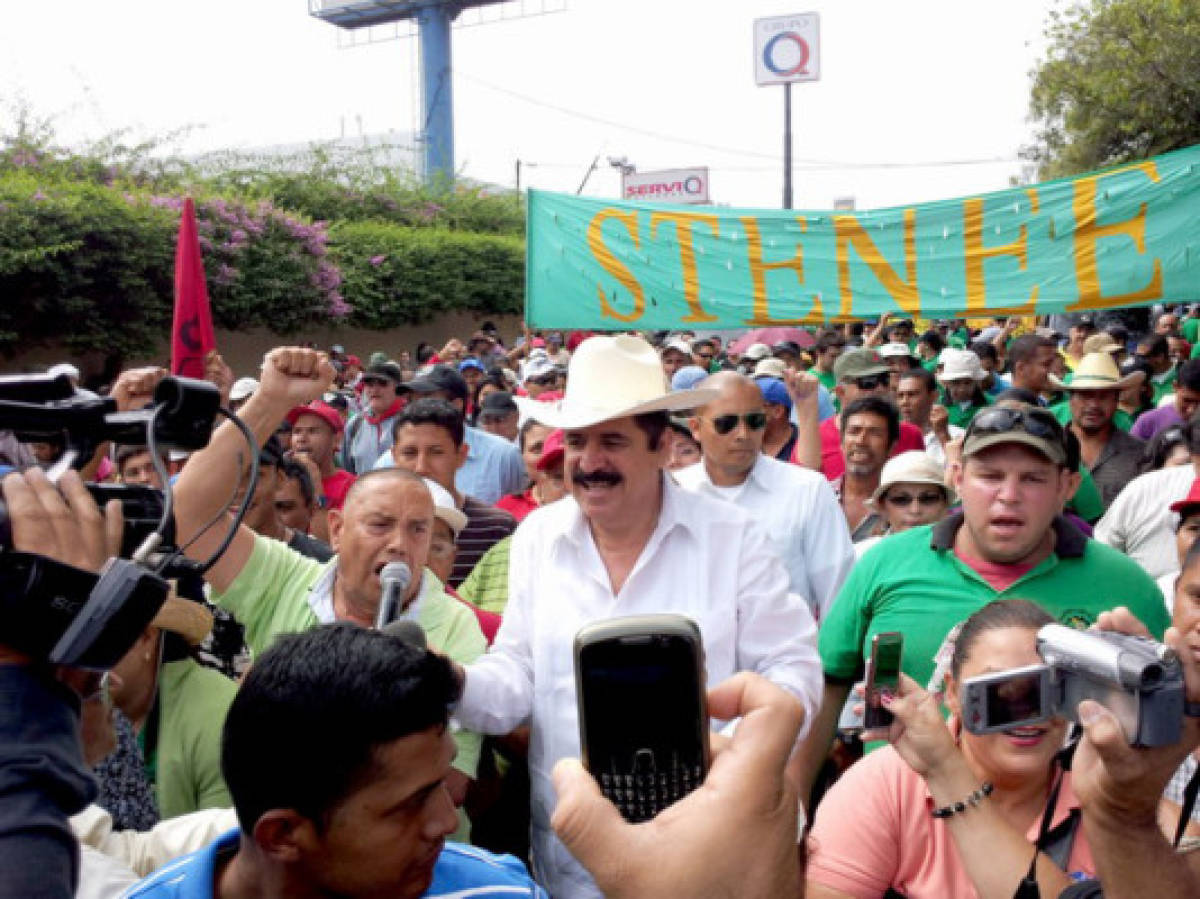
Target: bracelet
{"points": [[948, 811]]}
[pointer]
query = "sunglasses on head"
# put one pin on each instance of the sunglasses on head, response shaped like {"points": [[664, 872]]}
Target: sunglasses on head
{"points": [[871, 382], [755, 421], [1000, 420]]}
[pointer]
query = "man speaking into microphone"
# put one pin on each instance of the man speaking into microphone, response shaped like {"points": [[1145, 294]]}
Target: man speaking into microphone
{"points": [[387, 519]]}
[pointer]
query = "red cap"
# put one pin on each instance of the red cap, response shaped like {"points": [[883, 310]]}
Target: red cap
{"points": [[537, 342], [552, 450], [549, 396], [1192, 499], [354, 360], [323, 411]]}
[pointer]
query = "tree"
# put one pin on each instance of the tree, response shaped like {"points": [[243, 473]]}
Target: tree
{"points": [[1120, 81]]}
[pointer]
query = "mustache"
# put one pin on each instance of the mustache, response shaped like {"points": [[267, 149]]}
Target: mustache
{"points": [[596, 478]]}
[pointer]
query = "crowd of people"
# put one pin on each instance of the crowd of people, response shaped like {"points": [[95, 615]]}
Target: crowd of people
{"points": [[268, 733]]}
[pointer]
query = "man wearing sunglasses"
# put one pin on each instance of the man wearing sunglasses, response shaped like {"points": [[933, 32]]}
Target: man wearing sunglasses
{"points": [[1010, 539], [859, 373], [795, 506]]}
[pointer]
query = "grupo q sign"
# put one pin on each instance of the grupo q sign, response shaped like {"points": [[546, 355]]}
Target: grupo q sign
{"points": [[668, 186]]}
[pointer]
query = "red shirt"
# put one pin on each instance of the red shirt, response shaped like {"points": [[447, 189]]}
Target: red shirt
{"points": [[833, 465], [518, 505], [336, 486], [489, 622]]}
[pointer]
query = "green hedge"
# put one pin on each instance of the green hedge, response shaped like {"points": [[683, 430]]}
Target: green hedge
{"points": [[92, 265], [396, 276]]}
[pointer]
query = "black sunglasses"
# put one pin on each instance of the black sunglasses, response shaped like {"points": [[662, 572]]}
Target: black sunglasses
{"points": [[871, 382], [755, 421], [999, 420], [925, 499]]}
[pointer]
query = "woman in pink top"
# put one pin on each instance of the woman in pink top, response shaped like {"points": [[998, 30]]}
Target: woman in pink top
{"points": [[875, 830]]}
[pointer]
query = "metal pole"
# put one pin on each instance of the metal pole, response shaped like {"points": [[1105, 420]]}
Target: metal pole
{"points": [[787, 145], [437, 96], [518, 179]]}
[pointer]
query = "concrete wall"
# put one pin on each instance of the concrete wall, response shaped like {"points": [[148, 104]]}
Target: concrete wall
{"points": [[243, 350]]}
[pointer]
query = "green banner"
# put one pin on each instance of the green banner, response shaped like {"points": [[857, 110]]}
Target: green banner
{"points": [[1125, 236]]}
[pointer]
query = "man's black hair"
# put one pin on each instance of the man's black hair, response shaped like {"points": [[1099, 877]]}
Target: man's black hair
{"points": [[654, 424], [126, 451], [934, 340], [430, 411], [1017, 395], [875, 405], [424, 353], [1155, 344], [703, 340], [1025, 349], [827, 339], [314, 709], [1189, 375], [294, 471], [921, 374], [984, 350]]}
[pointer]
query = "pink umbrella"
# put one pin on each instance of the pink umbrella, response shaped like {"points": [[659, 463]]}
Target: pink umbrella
{"points": [[771, 336]]}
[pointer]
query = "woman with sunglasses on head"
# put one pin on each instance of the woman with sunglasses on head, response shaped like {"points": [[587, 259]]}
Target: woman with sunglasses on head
{"points": [[941, 812], [912, 491]]}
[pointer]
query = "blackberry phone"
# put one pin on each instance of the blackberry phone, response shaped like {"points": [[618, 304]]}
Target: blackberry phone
{"points": [[643, 715]]}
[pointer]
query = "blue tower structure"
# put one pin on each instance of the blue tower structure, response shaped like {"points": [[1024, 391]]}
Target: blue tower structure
{"points": [[433, 18]]}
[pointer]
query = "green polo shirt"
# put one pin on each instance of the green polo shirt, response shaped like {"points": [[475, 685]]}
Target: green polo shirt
{"points": [[193, 702], [487, 584], [913, 582], [270, 596], [960, 417]]}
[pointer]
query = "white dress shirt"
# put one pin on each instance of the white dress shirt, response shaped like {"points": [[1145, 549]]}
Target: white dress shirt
{"points": [[933, 446], [705, 559], [800, 513], [1139, 522]]}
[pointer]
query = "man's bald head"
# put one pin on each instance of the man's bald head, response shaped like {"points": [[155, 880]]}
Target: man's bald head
{"points": [[370, 479], [730, 427], [732, 386]]}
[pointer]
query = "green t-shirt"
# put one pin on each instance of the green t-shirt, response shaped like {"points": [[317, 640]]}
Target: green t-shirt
{"points": [[1165, 386], [913, 582], [1191, 331], [487, 584], [960, 417], [270, 596], [193, 701]]}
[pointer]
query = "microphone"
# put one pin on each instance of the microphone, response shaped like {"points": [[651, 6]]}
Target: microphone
{"points": [[394, 580], [408, 632]]}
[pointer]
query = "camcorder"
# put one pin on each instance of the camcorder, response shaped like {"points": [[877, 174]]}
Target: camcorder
{"points": [[1140, 681], [63, 615]]}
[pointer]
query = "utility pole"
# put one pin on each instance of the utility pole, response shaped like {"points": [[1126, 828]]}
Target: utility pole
{"points": [[787, 145]]}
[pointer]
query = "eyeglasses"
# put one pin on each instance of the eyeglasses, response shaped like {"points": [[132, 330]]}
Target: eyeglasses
{"points": [[871, 382], [755, 421], [999, 420], [933, 498]]}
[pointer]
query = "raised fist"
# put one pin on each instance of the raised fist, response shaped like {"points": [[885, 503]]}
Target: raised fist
{"points": [[134, 388], [293, 376]]}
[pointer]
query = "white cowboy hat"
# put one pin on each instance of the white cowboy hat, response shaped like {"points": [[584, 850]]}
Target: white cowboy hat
{"points": [[958, 365], [615, 377], [1098, 371]]}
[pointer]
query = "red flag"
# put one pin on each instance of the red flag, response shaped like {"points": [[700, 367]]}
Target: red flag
{"points": [[191, 330]]}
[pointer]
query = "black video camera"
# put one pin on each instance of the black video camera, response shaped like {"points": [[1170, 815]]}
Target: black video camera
{"points": [[64, 615]]}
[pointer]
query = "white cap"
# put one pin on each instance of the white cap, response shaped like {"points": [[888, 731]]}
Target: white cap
{"points": [[770, 368], [444, 507], [64, 368], [537, 367], [678, 344], [242, 388], [757, 351], [892, 350], [959, 365]]}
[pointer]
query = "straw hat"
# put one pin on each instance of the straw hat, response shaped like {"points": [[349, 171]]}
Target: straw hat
{"points": [[959, 365], [189, 619], [1098, 371], [911, 467], [1101, 343], [770, 368], [615, 377]]}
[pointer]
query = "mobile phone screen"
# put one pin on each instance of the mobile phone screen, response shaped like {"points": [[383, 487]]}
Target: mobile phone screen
{"points": [[884, 679], [645, 721]]}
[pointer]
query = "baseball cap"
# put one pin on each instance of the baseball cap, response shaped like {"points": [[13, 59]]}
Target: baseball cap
{"points": [[440, 378], [321, 410], [497, 404], [242, 388], [1189, 502], [860, 363], [387, 371], [688, 377], [471, 362], [774, 392], [353, 360], [553, 449], [538, 343], [893, 350], [537, 367], [1027, 425], [679, 345], [770, 368], [757, 351], [444, 507]]}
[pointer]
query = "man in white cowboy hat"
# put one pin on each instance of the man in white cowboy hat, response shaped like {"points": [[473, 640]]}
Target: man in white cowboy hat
{"points": [[1111, 455], [626, 541]]}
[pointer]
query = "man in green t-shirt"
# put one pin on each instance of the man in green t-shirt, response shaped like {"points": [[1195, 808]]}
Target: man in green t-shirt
{"points": [[1009, 540], [828, 347]]}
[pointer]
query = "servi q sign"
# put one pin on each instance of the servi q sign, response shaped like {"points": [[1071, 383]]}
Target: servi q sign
{"points": [[1125, 236], [668, 186]]}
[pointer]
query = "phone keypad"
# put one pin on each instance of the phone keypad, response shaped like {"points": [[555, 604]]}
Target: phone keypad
{"points": [[641, 795]]}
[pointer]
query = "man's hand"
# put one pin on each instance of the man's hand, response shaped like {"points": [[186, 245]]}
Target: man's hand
{"points": [[802, 387], [453, 352], [134, 388], [939, 423], [733, 836], [218, 372], [61, 523], [294, 376]]}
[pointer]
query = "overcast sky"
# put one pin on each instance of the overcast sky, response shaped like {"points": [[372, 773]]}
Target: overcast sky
{"points": [[907, 84]]}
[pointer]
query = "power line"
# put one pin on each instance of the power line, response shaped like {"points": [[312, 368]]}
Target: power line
{"points": [[809, 164]]}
